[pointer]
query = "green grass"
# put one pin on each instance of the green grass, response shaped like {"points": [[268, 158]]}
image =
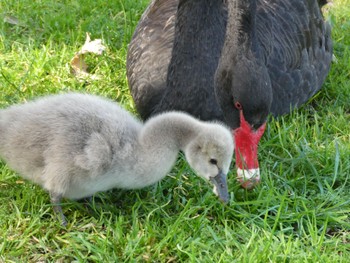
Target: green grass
{"points": [[299, 213]]}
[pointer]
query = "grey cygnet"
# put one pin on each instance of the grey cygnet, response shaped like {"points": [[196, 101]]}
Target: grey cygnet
{"points": [[74, 145]]}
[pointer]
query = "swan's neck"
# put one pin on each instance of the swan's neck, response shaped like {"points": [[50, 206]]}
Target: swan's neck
{"points": [[160, 141], [241, 36], [242, 75], [199, 37], [199, 32]]}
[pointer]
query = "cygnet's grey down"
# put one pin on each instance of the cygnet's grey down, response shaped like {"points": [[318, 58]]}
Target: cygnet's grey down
{"points": [[75, 145]]}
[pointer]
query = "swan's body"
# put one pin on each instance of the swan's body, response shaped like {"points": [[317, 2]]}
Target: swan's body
{"points": [[215, 59], [75, 145]]}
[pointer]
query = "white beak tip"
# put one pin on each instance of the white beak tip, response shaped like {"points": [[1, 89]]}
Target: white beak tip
{"points": [[248, 178]]}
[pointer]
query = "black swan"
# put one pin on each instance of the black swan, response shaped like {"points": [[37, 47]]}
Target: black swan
{"points": [[231, 60], [75, 145]]}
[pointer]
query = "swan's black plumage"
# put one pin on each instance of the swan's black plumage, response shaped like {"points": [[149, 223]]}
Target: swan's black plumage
{"points": [[164, 64], [274, 57]]}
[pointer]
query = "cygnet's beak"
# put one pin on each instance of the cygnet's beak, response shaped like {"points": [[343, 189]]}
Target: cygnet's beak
{"points": [[220, 186]]}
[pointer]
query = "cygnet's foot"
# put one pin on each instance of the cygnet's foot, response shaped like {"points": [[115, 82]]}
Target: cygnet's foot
{"points": [[56, 204], [59, 214], [87, 202]]}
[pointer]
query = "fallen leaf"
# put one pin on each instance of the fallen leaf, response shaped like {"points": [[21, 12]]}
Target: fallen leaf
{"points": [[94, 46], [11, 20], [334, 59], [78, 65]]}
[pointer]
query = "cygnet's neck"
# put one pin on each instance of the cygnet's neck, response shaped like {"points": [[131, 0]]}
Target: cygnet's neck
{"points": [[160, 141]]}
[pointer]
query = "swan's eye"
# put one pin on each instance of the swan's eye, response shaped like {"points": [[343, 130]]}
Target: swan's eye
{"points": [[213, 161], [238, 105]]}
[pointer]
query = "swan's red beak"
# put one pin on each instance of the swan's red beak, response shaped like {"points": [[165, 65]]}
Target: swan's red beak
{"points": [[246, 150]]}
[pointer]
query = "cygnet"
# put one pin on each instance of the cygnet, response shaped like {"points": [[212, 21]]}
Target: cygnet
{"points": [[74, 145]]}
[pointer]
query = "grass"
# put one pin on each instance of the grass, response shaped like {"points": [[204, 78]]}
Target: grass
{"points": [[299, 213]]}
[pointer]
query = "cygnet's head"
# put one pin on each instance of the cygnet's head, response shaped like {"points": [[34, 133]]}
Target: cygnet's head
{"points": [[210, 155]]}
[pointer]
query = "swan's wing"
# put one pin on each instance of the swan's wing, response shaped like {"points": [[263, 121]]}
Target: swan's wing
{"points": [[149, 54], [298, 50]]}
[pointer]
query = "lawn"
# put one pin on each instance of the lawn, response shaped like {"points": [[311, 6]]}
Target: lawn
{"points": [[299, 213]]}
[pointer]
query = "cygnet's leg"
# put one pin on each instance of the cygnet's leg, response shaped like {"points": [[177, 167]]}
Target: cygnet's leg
{"points": [[87, 200], [87, 203], [56, 202], [56, 182]]}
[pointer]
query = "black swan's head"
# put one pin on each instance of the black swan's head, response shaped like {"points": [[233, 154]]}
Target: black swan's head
{"points": [[243, 90]]}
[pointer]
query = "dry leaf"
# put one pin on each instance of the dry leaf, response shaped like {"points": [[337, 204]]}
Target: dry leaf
{"points": [[334, 59], [94, 46], [78, 65], [11, 20]]}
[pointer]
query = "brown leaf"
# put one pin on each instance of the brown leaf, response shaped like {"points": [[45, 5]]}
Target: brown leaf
{"points": [[78, 64]]}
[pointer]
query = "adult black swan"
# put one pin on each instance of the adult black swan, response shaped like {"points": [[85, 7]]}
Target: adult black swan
{"points": [[231, 60]]}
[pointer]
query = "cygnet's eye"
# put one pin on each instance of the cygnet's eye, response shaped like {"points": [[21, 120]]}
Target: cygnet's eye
{"points": [[213, 161]]}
